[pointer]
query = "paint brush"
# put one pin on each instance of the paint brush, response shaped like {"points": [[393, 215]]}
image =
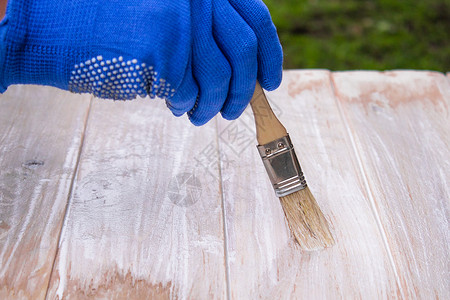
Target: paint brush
{"points": [[302, 212]]}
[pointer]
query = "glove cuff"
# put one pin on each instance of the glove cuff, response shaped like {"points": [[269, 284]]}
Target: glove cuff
{"points": [[28, 54], [3, 29]]}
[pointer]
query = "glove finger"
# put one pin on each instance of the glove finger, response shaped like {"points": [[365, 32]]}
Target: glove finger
{"points": [[184, 98], [239, 45], [211, 69], [270, 53]]}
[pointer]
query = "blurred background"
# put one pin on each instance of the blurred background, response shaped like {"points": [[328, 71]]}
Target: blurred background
{"points": [[364, 34]]}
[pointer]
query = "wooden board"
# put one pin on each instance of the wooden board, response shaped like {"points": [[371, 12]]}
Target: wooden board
{"points": [[401, 130], [264, 261], [145, 215], [41, 130], [145, 219]]}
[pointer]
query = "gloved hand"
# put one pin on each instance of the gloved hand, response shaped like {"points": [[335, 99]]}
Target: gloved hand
{"points": [[242, 44], [112, 49], [121, 49]]}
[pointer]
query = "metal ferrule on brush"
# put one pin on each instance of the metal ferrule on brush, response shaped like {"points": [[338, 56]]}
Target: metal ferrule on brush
{"points": [[282, 166]]}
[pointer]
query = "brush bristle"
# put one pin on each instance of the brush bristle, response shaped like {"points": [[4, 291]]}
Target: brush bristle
{"points": [[306, 220]]}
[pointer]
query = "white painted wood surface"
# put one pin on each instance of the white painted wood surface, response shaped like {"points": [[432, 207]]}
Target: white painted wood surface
{"points": [[264, 260], [401, 129], [40, 134], [145, 219]]}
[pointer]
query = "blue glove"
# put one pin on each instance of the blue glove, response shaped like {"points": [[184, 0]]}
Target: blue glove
{"points": [[242, 46], [112, 49], [202, 56]]}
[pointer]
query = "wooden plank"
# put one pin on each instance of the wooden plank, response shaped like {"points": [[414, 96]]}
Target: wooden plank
{"points": [[40, 135], [264, 261], [145, 220], [401, 128]]}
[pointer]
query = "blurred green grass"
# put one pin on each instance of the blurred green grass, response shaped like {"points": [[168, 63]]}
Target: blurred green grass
{"points": [[364, 34]]}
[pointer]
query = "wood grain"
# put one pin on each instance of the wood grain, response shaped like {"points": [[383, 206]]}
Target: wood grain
{"points": [[401, 128], [40, 135], [145, 219], [264, 261]]}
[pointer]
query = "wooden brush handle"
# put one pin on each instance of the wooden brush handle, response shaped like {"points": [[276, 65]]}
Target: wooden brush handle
{"points": [[268, 127]]}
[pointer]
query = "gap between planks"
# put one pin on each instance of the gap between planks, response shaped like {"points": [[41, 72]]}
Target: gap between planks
{"points": [[69, 196], [225, 229], [366, 185]]}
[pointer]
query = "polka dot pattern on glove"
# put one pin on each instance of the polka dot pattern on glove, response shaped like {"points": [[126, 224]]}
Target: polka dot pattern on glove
{"points": [[118, 79]]}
